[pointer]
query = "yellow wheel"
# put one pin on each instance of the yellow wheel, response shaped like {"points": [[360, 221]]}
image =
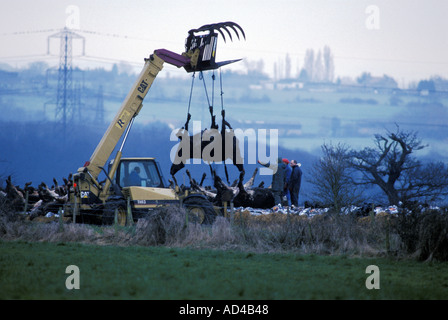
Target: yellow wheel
{"points": [[196, 214], [115, 211], [121, 216], [199, 209]]}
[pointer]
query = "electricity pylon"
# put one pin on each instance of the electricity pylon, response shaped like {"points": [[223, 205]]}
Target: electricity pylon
{"points": [[65, 103]]}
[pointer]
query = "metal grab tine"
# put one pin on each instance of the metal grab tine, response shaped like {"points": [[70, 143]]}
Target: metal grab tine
{"points": [[218, 27], [232, 25], [224, 27], [223, 34]]}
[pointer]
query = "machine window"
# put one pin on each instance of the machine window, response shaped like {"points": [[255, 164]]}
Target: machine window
{"points": [[139, 173]]}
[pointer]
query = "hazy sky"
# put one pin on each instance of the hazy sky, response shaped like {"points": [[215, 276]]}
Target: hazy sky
{"points": [[406, 39]]}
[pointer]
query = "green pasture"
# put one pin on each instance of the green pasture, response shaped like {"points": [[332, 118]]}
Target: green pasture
{"points": [[37, 271]]}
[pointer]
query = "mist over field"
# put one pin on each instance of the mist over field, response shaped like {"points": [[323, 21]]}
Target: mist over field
{"points": [[37, 146]]}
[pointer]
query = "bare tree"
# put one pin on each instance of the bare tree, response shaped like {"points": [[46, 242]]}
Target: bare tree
{"points": [[328, 64], [331, 177], [392, 167], [318, 71], [308, 64], [428, 181]]}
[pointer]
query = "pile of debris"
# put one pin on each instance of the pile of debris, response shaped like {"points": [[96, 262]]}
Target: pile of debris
{"points": [[45, 201], [239, 193], [302, 211], [310, 211], [35, 202]]}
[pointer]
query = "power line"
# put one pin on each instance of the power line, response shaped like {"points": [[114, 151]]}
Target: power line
{"points": [[123, 36], [300, 54], [16, 33], [109, 60]]}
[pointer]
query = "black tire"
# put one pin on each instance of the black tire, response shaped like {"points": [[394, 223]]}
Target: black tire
{"points": [[199, 210], [109, 212]]}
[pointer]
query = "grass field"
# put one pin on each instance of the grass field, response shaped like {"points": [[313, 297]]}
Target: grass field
{"points": [[37, 270]]}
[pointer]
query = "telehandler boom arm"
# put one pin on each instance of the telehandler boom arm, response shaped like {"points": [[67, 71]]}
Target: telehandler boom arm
{"points": [[130, 108]]}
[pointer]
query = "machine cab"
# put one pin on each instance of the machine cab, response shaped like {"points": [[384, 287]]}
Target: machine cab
{"points": [[141, 172]]}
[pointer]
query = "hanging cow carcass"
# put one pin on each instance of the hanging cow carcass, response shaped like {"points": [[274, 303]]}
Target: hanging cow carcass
{"points": [[211, 146]]}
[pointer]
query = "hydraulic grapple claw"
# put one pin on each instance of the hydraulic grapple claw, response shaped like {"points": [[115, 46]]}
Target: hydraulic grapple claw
{"points": [[218, 27], [201, 49]]}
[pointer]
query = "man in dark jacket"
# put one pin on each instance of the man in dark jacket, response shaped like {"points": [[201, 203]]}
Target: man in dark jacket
{"points": [[278, 180], [288, 171], [294, 183]]}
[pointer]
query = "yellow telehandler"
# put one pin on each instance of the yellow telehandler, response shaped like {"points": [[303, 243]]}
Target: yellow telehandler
{"points": [[134, 186]]}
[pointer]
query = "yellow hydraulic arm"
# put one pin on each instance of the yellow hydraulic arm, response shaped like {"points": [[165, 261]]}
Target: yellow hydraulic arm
{"points": [[129, 109]]}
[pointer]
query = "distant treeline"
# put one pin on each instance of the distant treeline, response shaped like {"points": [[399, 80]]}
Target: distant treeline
{"points": [[120, 77]]}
